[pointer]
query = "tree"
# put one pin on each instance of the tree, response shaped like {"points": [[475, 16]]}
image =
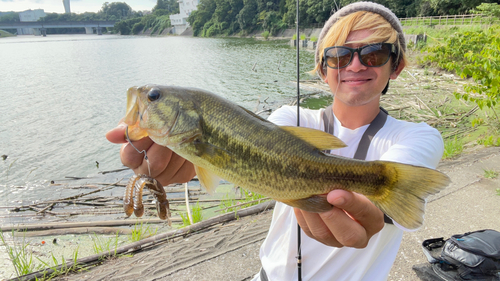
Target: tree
{"points": [[117, 9], [11, 17]]}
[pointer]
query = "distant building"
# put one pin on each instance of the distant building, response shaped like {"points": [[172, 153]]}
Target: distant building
{"points": [[67, 9], [30, 15], [179, 21]]}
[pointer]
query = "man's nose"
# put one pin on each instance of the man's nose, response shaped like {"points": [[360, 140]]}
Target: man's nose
{"points": [[355, 64]]}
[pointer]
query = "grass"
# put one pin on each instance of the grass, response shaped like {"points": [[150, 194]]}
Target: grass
{"points": [[4, 33], [490, 174], [196, 213], [101, 246], [20, 256], [265, 34], [453, 147], [229, 204], [142, 231], [64, 267]]}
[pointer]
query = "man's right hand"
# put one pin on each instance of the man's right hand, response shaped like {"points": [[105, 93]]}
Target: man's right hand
{"points": [[166, 166]]}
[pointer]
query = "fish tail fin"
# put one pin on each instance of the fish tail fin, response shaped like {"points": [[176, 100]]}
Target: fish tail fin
{"points": [[404, 200]]}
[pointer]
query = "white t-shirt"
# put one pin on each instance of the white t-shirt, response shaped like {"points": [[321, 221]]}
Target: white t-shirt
{"points": [[398, 141]]}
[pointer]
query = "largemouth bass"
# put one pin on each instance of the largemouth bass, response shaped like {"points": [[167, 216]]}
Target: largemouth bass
{"points": [[226, 141]]}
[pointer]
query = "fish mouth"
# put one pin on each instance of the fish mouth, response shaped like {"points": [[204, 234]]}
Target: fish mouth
{"points": [[134, 115]]}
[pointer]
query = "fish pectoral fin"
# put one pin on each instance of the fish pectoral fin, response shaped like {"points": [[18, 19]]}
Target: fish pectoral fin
{"points": [[317, 138], [315, 204], [207, 179]]}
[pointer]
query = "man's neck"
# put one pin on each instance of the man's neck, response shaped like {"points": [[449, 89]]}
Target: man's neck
{"points": [[353, 117]]}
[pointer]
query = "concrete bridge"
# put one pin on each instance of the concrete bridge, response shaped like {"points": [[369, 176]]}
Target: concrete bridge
{"points": [[40, 27]]}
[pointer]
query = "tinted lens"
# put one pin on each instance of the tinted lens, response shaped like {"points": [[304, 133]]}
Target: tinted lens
{"points": [[338, 57], [370, 55], [375, 55]]}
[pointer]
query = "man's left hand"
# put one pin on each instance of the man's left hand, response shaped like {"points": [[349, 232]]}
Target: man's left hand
{"points": [[352, 222]]}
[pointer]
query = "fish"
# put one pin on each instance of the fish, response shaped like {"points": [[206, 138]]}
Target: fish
{"points": [[226, 141]]}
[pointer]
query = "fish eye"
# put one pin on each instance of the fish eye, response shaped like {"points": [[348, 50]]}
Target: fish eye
{"points": [[154, 94]]}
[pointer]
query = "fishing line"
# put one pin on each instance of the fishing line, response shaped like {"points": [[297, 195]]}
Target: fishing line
{"points": [[143, 151], [299, 251]]}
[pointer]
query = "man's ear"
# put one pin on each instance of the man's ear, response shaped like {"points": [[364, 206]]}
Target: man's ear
{"points": [[398, 70]]}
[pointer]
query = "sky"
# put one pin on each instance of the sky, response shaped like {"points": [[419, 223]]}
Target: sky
{"points": [[77, 6]]}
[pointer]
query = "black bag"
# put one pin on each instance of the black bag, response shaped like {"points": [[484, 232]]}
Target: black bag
{"points": [[470, 256]]}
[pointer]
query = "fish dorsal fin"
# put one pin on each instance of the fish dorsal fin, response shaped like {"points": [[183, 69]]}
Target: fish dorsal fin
{"points": [[207, 179], [317, 138]]}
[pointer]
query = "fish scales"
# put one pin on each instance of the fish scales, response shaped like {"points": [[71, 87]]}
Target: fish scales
{"points": [[224, 140]]}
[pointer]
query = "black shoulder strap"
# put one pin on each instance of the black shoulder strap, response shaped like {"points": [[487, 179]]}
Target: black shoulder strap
{"points": [[366, 139]]}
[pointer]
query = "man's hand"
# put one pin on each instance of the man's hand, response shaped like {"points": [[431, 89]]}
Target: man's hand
{"points": [[351, 223], [166, 166]]}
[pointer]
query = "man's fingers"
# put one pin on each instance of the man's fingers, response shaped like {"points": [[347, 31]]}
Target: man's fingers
{"points": [[359, 208], [314, 226], [130, 157], [346, 230], [117, 135], [185, 173]]}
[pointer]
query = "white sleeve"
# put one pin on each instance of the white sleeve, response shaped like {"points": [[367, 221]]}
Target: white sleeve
{"points": [[284, 116], [287, 116], [418, 144]]}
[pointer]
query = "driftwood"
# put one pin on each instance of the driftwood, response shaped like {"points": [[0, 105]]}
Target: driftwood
{"points": [[148, 242], [76, 230], [45, 226]]}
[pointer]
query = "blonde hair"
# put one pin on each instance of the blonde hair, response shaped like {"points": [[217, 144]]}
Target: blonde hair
{"points": [[383, 32]]}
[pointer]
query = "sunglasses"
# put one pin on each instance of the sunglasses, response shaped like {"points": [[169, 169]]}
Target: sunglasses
{"points": [[373, 55]]}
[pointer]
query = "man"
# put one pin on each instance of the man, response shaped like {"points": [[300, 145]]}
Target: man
{"points": [[359, 50]]}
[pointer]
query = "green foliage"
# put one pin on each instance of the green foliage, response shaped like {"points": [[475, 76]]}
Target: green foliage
{"points": [[166, 7], [124, 27], [490, 174], [489, 141], [101, 245], [229, 204], [5, 34], [489, 9], [20, 256], [64, 269], [140, 232], [196, 213], [475, 55], [453, 147], [265, 34], [302, 37], [313, 39], [10, 17]]}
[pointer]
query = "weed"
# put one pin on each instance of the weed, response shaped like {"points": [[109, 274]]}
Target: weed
{"points": [[498, 191], [229, 204], [195, 213], [101, 246], [64, 269], [139, 232], [265, 34], [314, 39], [21, 258], [490, 174], [453, 147], [489, 141], [302, 37]]}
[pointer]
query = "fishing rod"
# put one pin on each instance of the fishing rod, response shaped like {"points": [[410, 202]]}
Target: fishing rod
{"points": [[299, 251]]}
